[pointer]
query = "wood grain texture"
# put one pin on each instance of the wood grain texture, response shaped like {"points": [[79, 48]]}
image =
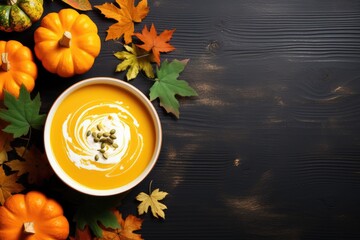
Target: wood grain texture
{"points": [[270, 149]]}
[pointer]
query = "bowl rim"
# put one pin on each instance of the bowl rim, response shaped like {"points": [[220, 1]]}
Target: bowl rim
{"points": [[127, 87]]}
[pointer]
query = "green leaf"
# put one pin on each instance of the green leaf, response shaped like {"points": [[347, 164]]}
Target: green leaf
{"points": [[135, 60], [83, 5], [22, 113], [167, 86], [93, 215]]}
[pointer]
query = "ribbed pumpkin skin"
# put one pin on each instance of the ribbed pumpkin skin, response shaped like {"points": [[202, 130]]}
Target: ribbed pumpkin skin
{"points": [[46, 214], [23, 70], [18, 15], [84, 47]]}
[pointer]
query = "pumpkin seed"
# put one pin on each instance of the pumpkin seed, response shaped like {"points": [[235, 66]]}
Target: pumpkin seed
{"points": [[102, 150], [105, 156], [96, 139], [96, 157], [106, 134], [112, 131], [115, 145], [88, 133], [112, 136]]}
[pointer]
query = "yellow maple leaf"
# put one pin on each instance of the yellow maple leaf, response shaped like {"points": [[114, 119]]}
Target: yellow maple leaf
{"points": [[135, 60], [126, 231], [152, 201], [125, 16], [8, 185], [36, 164]]}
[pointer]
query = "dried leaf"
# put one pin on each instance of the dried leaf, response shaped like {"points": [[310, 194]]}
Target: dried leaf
{"points": [[5, 139], [152, 201], [126, 231], [167, 86], [83, 5], [8, 185], [155, 43], [3, 156], [125, 16], [135, 60], [82, 234], [36, 164], [95, 216]]}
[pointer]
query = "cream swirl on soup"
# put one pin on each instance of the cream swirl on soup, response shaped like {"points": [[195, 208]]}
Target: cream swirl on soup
{"points": [[84, 150]]}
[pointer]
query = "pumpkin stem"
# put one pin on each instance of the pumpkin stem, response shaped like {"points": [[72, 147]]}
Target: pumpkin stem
{"points": [[65, 40], [5, 64], [29, 227]]}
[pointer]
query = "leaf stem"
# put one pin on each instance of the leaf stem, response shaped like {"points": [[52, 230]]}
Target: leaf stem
{"points": [[150, 186], [119, 42], [144, 55]]}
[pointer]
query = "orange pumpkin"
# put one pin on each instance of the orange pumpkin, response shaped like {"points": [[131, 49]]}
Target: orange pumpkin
{"points": [[17, 67], [32, 216], [67, 42]]}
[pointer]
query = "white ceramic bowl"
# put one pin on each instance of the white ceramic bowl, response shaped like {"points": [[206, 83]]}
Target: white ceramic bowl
{"points": [[54, 160]]}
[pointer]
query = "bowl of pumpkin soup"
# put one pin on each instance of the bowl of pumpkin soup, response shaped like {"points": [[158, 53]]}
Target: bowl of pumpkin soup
{"points": [[102, 136]]}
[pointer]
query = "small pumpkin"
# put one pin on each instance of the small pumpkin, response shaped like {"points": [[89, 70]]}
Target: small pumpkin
{"points": [[17, 67], [67, 42], [18, 15], [32, 216]]}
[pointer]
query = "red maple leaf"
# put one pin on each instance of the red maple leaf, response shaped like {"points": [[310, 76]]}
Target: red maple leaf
{"points": [[155, 43]]}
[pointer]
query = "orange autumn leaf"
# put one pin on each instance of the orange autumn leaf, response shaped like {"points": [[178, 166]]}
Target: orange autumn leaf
{"points": [[155, 43], [82, 234], [3, 156], [36, 164], [8, 185], [125, 16], [5, 139], [126, 232], [83, 5]]}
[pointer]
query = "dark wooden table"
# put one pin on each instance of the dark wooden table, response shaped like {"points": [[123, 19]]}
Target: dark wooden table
{"points": [[270, 149]]}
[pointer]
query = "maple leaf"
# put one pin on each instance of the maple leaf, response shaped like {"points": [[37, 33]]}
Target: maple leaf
{"points": [[126, 230], [36, 165], [8, 185], [135, 60], [125, 16], [152, 201], [82, 234], [155, 43], [94, 214], [167, 86], [5, 139], [83, 5], [22, 113], [3, 156]]}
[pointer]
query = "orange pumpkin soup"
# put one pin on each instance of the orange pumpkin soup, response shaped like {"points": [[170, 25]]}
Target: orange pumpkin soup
{"points": [[102, 136]]}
